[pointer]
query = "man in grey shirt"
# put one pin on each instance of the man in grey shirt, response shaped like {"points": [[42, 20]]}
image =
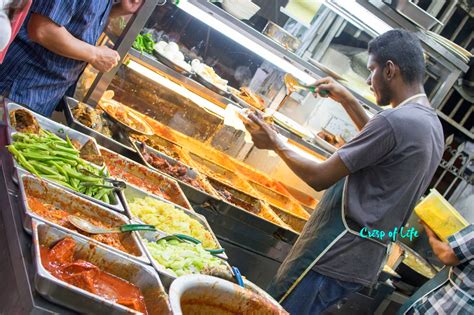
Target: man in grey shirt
{"points": [[373, 182]]}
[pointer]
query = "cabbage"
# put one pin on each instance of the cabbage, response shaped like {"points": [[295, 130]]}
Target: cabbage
{"points": [[182, 258], [170, 220]]}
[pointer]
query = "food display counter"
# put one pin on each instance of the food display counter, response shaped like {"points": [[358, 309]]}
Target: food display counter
{"points": [[157, 142]]}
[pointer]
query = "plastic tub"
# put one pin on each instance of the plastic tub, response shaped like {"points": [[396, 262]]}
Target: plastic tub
{"points": [[440, 215]]}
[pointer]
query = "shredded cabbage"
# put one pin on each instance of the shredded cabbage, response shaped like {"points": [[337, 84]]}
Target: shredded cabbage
{"points": [[182, 258], [170, 220]]}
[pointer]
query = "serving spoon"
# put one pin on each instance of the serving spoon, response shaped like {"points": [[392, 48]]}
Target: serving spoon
{"points": [[88, 227], [292, 85], [152, 233]]}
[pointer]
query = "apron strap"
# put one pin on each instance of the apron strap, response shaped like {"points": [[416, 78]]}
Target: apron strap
{"points": [[293, 286]]}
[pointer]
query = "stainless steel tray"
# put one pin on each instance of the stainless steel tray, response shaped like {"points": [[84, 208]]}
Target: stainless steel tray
{"points": [[52, 194], [47, 124], [101, 139], [61, 131], [206, 190], [280, 201], [58, 291], [130, 193], [167, 62], [257, 207], [211, 86], [295, 222], [117, 163]]}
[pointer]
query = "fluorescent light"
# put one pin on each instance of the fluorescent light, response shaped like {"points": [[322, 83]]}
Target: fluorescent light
{"points": [[240, 38], [364, 16], [176, 88]]}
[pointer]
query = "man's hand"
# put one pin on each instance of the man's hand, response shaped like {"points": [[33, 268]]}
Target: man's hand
{"points": [[104, 58], [442, 250], [343, 96], [263, 135], [336, 90]]}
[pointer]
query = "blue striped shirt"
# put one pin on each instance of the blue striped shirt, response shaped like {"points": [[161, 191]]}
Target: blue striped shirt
{"points": [[38, 78]]}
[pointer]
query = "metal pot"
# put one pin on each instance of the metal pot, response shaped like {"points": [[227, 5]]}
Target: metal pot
{"points": [[281, 36], [209, 294], [406, 268]]}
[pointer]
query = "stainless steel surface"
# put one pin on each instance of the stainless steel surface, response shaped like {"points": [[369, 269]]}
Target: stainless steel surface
{"points": [[101, 139], [54, 195], [55, 290], [132, 193], [414, 13], [281, 36], [152, 178]]}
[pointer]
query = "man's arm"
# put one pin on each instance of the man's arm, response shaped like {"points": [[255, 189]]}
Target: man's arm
{"points": [[57, 39], [317, 175], [125, 7], [342, 95]]}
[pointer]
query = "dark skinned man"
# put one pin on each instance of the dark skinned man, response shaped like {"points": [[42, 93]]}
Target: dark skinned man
{"points": [[372, 182]]}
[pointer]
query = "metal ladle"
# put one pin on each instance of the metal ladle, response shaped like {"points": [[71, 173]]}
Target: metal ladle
{"points": [[293, 85], [154, 236], [88, 227]]}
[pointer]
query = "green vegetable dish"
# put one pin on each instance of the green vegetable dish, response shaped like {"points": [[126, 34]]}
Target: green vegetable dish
{"points": [[144, 43], [182, 258], [48, 156]]}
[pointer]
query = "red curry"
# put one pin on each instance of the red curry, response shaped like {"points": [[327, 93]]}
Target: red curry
{"points": [[60, 262]]}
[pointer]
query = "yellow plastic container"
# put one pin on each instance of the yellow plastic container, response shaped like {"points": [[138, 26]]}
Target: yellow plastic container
{"points": [[440, 215]]}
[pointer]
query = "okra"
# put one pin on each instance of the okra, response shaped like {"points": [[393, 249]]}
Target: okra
{"points": [[22, 160]]}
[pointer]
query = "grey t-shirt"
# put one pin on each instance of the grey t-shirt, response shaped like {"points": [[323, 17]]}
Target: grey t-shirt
{"points": [[391, 161]]}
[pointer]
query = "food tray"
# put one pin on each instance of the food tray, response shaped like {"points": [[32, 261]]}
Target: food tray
{"points": [[47, 124], [53, 194], [295, 222], [106, 104], [248, 203], [165, 146], [170, 64], [219, 172], [211, 86], [61, 131], [191, 173], [60, 292], [141, 175], [278, 200], [101, 139], [131, 193]]}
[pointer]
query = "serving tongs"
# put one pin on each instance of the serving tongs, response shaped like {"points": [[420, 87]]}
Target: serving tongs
{"points": [[117, 184], [157, 235]]}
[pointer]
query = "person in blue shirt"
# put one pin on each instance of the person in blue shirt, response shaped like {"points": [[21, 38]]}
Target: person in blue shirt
{"points": [[53, 47]]}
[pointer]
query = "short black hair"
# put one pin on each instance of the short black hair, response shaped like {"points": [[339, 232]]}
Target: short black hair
{"points": [[404, 49]]}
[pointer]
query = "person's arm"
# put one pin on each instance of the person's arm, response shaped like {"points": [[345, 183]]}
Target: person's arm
{"points": [[342, 95], [459, 249], [368, 148], [317, 175], [43, 31], [125, 7]]}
